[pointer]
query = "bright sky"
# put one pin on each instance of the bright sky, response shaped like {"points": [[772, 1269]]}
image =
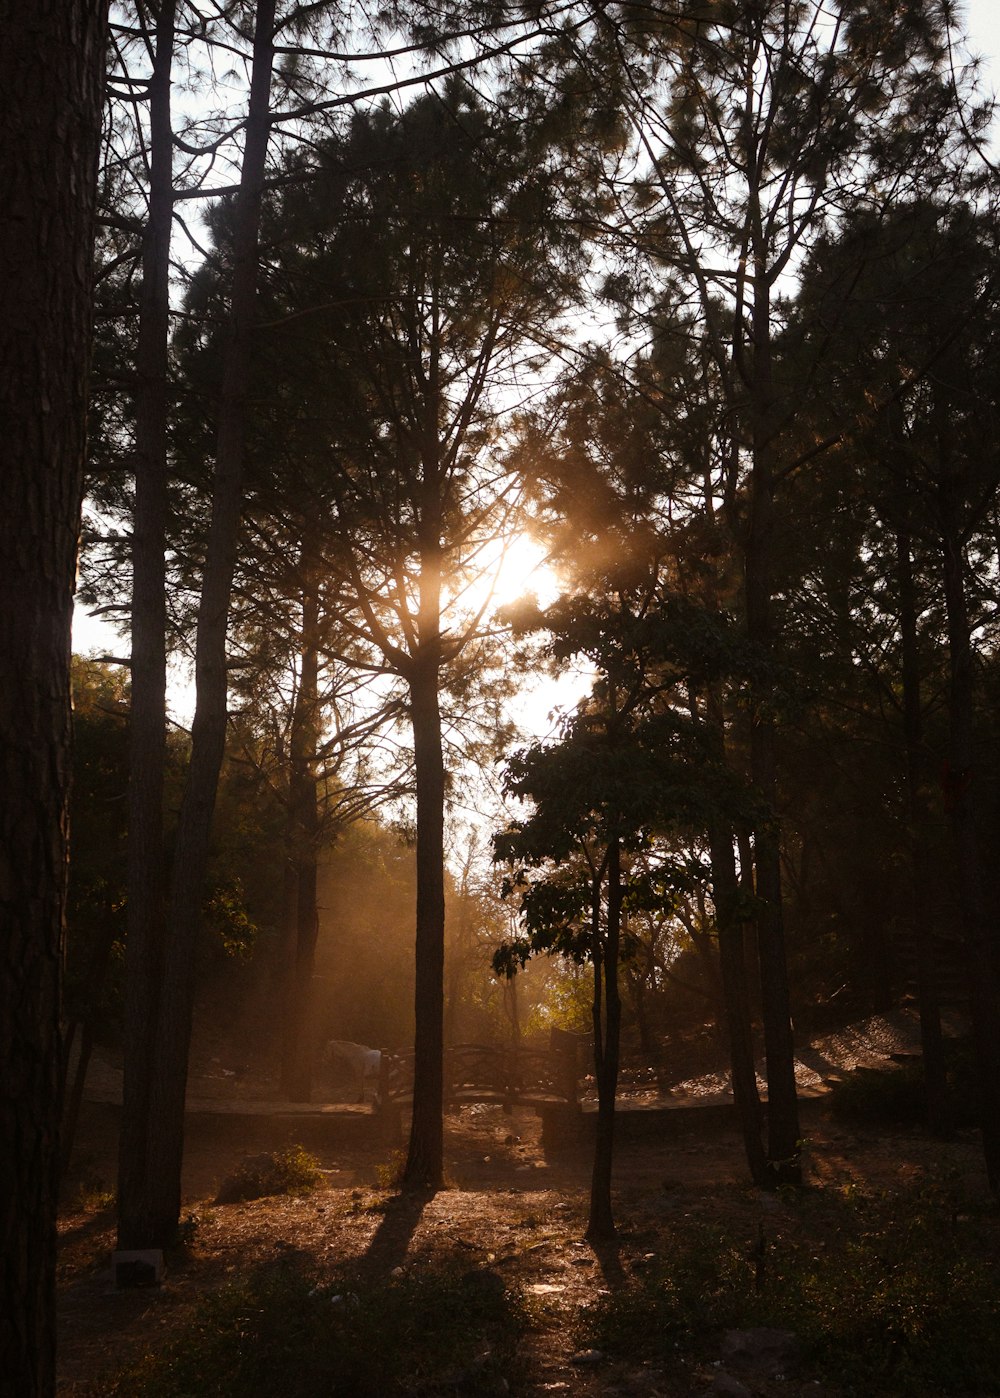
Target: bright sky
{"points": [[982, 20], [983, 23]]}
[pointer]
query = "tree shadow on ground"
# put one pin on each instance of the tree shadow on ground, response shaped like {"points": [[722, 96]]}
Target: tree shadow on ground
{"points": [[391, 1241], [609, 1260]]}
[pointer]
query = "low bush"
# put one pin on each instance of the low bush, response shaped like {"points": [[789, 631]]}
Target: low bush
{"points": [[291, 1171]]}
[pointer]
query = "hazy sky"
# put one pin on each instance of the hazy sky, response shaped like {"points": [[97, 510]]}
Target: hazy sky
{"points": [[982, 20]]}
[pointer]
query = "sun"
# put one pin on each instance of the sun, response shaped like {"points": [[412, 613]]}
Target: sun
{"points": [[504, 571]]}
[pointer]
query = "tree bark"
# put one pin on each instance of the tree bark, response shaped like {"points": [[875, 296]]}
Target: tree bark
{"points": [[72, 1092], [607, 1046], [931, 1037], [297, 1057], [462, 952], [146, 911], [51, 74], [636, 982], [783, 1146], [424, 1167], [96, 975], [155, 1208], [732, 962], [981, 949], [731, 932], [425, 1159]]}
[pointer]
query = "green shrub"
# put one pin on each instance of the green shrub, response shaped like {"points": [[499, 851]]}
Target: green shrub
{"points": [[291, 1171], [390, 1173], [281, 1331]]}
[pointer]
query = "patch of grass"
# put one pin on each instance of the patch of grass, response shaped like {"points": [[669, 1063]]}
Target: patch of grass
{"points": [[94, 1199], [86, 1191], [282, 1331], [889, 1296], [390, 1173], [291, 1171]]}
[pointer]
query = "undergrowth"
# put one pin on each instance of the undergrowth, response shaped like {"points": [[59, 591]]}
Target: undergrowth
{"points": [[880, 1095], [894, 1296], [291, 1171], [283, 1331]]}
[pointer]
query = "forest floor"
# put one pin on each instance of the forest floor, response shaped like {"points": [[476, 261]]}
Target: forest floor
{"points": [[516, 1209]]}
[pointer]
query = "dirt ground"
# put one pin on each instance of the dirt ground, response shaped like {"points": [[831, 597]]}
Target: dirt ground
{"points": [[515, 1203]]}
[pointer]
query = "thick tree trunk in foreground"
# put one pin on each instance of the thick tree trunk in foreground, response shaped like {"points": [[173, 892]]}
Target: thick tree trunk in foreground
{"points": [[147, 921], [425, 1160], [153, 1208], [51, 70]]}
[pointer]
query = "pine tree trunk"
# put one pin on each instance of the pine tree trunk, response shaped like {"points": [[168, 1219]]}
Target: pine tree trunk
{"points": [[51, 79], [73, 1095], [424, 1167], [303, 853], [732, 961], [458, 954], [783, 1140], [931, 1037], [980, 940], [731, 932], [783, 1147], [299, 1088], [289, 943], [425, 1160], [607, 1047], [96, 976], [154, 1217], [146, 911]]}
